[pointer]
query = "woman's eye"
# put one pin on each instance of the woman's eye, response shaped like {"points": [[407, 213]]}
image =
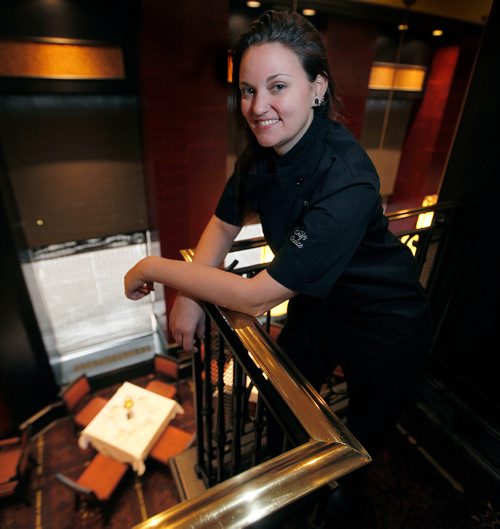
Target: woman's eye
{"points": [[246, 91], [278, 87]]}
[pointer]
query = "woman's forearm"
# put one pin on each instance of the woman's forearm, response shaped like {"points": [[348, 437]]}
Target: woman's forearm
{"points": [[215, 242], [251, 296]]}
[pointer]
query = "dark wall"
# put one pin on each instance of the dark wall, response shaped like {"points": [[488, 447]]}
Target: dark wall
{"points": [[26, 380], [75, 165], [112, 22], [46, 139], [351, 42], [183, 82], [467, 345]]}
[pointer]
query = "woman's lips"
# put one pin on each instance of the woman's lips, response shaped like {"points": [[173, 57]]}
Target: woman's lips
{"points": [[266, 122]]}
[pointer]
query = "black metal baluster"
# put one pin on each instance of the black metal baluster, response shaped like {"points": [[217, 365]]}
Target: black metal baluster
{"points": [[198, 405], [238, 392], [258, 431], [207, 404], [220, 436]]}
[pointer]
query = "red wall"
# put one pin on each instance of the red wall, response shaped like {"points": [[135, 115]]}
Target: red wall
{"points": [[419, 174], [351, 47], [183, 53]]}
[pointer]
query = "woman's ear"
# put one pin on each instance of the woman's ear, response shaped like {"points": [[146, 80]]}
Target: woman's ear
{"points": [[320, 86]]}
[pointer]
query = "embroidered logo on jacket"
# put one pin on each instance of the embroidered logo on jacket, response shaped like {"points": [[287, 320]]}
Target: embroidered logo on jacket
{"points": [[297, 237]]}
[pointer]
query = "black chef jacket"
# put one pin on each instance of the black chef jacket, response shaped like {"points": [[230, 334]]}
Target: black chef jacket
{"points": [[321, 214]]}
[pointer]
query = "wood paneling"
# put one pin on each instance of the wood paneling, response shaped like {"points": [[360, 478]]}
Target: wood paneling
{"points": [[414, 179], [350, 43], [183, 55]]}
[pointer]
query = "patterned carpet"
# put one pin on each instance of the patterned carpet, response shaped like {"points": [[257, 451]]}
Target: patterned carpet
{"points": [[421, 481], [52, 505]]}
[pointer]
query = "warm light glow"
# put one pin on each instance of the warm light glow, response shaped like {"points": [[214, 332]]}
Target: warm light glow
{"points": [[250, 3], [403, 27], [266, 256], [437, 32], [309, 12], [229, 68], [411, 243], [425, 219], [48, 60], [405, 77]]}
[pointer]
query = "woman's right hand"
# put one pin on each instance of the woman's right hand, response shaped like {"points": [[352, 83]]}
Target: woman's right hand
{"points": [[187, 318]]}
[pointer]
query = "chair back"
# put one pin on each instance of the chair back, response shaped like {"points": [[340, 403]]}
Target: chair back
{"points": [[76, 391], [22, 465], [166, 366]]}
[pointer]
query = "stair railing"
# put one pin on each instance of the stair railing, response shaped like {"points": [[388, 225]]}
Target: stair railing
{"points": [[245, 483], [324, 449]]}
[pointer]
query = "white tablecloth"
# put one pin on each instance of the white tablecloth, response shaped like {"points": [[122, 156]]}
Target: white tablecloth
{"points": [[129, 439]]}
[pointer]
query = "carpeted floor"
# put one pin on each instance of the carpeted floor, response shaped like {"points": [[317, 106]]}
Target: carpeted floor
{"points": [[422, 481], [52, 505]]}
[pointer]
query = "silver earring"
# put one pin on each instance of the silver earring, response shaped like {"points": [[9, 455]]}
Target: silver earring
{"points": [[319, 101]]}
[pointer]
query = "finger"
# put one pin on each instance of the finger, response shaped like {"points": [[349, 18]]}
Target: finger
{"points": [[188, 343], [135, 295], [146, 288], [178, 337], [200, 329]]}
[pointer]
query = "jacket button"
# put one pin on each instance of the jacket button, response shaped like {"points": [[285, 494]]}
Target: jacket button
{"points": [[300, 180]]}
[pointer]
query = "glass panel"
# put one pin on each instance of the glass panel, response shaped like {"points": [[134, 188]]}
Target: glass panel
{"points": [[77, 293]]}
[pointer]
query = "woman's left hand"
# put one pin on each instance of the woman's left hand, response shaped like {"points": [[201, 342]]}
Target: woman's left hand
{"points": [[136, 286]]}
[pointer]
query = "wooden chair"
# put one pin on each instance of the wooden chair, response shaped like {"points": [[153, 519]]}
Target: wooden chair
{"points": [[97, 483], [166, 377], [44, 419], [81, 403], [172, 442], [15, 463]]}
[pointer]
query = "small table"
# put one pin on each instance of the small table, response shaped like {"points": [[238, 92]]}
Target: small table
{"points": [[128, 434]]}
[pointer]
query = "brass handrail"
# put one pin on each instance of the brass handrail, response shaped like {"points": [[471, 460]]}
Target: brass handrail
{"points": [[258, 492], [330, 453], [261, 490]]}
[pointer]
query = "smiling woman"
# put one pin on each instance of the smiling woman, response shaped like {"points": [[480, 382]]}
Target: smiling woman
{"points": [[355, 298]]}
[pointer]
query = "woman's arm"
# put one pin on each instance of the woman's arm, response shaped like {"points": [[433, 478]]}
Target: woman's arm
{"points": [[215, 242], [252, 296], [187, 316], [201, 280]]}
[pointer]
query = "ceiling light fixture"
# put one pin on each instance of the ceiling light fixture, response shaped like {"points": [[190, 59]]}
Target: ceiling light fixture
{"points": [[309, 12], [250, 3], [437, 32]]}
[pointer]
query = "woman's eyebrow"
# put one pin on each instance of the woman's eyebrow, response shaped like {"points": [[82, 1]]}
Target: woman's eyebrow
{"points": [[268, 80], [272, 77]]}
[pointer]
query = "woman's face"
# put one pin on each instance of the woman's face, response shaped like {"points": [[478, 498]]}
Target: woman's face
{"points": [[276, 95]]}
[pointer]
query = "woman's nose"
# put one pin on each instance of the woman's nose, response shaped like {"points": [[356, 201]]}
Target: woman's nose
{"points": [[260, 103]]}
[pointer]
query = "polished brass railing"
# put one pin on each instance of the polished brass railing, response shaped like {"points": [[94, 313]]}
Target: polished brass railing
{"points": [[323, 449], [329, 450]]}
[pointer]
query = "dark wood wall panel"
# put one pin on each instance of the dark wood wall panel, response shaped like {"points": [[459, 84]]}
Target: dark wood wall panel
{"points": [[351, 48], [183, 53], [415, 178], [26, 380], [75, 165], [468, 51]]}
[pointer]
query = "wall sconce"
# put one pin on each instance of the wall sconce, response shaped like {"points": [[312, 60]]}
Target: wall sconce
{"points": [[60, 59]]}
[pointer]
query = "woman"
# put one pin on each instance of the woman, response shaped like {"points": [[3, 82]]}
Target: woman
{"points": [[355, 298]]}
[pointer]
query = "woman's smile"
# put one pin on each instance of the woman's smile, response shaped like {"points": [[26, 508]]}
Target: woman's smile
{"points": [[266, 122]]}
